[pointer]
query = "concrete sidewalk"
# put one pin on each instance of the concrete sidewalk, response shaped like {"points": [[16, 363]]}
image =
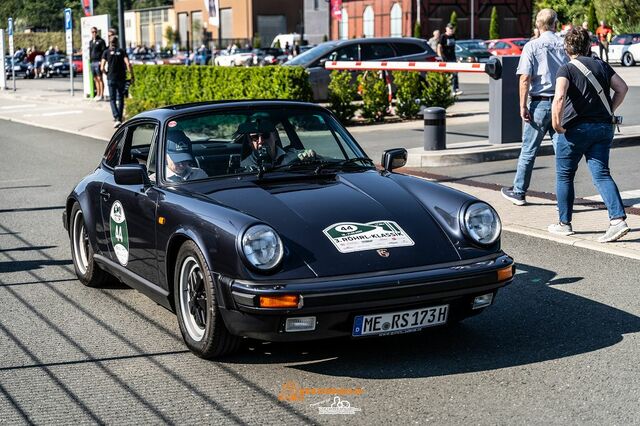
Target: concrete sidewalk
{"points": [[590, 219]]}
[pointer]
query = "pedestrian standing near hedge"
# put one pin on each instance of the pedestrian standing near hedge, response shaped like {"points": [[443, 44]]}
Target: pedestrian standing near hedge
{"points": [[583, 115], [540, 60], [97, 46], [447, 51], [433, 41], [115, 63]]}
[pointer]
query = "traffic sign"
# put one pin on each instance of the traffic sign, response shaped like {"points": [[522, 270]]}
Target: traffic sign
{"points": [[68, 27], [10, 33]]}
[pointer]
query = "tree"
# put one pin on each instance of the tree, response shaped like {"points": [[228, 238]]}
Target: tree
{"points": [[493, 25], [257, 41], [592, 19], [417, 30], [454, 19]]}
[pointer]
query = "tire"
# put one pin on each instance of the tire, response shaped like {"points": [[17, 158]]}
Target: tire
{"points": [[199, 317], [87, 270], [627, 60]]}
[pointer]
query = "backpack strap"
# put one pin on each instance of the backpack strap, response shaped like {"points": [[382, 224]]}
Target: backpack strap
{"points": [[594, 82]]}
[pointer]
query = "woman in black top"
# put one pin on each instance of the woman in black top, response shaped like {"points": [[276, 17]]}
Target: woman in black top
{"points": [[586, 129]]}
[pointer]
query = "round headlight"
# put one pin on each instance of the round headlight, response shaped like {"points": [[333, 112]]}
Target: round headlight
{"points": [[262, 247], [482, 223]]}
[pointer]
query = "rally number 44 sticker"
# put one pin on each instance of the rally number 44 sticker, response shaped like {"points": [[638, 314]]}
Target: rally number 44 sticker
{"points": [[119, 233], [350, 237]]}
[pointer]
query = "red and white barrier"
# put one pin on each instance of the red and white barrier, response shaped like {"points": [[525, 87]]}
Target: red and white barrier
{"points": [[489, 68]]}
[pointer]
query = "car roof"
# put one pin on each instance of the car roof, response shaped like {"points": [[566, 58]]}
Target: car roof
{"points": [[166, 112]]}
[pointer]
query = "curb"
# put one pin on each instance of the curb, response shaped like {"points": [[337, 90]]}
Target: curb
{"points": [[418, 157], [609, 248], [58, 129]]}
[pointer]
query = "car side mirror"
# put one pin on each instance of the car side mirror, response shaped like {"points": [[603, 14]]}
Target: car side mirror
{"points": [[131, 174], [394, 158]]}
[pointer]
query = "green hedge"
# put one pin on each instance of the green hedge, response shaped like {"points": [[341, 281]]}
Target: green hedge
{"points": [[157, 86]]}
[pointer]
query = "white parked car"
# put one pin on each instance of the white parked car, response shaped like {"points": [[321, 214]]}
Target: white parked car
{"points": [[624, 49], [237, 57]]}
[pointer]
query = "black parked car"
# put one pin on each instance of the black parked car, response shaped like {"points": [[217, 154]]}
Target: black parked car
{"points": [[364, 49], [56, 65], [266, 219], [268, 56], [472, 51], [21, 68]]}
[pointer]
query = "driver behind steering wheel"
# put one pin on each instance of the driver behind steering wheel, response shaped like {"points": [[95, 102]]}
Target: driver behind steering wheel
{"points": [[263, 147]]}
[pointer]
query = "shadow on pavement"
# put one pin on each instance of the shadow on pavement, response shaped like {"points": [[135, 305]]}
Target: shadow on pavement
{"points": [[532, 321], [30, 265]]}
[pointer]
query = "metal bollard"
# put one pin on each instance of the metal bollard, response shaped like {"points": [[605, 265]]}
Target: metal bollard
{"points": [[435, 129]]}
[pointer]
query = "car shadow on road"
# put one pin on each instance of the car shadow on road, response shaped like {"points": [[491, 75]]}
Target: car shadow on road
{"points": [[532, 321]]}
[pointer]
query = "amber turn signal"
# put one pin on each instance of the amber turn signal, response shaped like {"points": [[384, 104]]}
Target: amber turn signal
{"points": [[505, 273], [284, 301]]}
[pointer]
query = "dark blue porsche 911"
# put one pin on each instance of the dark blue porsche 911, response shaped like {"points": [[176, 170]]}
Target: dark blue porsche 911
{"points": [[265, 219]]}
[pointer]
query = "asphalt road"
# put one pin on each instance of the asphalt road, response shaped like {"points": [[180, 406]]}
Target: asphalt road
{"points": [[560, 346]]}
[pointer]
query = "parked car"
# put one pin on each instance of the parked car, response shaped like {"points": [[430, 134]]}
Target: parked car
{"points": [[363, 49], [506, 46], [21, 68], [56, 65], [472, 51], [268, 56], [300, 239], [236, 57], [143, 58], [77, 64], [168, 58], [624, 49]]}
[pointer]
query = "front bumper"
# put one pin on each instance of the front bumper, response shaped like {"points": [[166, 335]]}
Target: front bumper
{"points": [[335, 301]]}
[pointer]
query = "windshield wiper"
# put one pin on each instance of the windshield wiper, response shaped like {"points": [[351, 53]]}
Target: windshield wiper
{"points": [[342, 163]]}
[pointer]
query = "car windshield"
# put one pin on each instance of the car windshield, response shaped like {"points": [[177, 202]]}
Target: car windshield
{"points": [[257, 141], [472, 45], [312, 54]]}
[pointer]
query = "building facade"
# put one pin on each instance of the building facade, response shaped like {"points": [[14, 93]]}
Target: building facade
{"points": [[240, 21], [148, 27], [316, 21], [384, 18]]}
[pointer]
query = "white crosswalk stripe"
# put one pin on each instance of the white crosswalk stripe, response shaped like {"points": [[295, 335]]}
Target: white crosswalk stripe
{"points": [[629, 198], [10, 107]]}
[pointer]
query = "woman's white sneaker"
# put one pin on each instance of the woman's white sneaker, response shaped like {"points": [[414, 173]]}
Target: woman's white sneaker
{"points": [[561, 229], [615, 232]]}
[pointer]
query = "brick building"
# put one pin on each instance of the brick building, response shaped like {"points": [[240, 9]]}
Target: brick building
{"points": [[240, 21], [383, 18]]}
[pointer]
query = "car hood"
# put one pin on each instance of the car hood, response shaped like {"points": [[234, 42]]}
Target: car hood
{"points": [[375, 211]]}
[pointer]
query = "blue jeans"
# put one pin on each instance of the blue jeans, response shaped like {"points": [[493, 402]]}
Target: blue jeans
{"points": [[593, 141], [532, 135], [116, 93]]}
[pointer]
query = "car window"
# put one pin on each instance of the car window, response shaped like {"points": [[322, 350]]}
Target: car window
{"points": [[404, 49], [114, 149], [501, 45], [373, 51], [347, 53], [220, 144], [137, 143]]}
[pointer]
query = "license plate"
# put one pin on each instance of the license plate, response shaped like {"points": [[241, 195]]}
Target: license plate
{"points": [[399, 322], [57, 64], [16, 68]]}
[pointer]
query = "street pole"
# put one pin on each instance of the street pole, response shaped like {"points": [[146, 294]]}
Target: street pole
{"points": [[11, 52], [418, 11], [472, 19], [68, 28], [121, 23]]}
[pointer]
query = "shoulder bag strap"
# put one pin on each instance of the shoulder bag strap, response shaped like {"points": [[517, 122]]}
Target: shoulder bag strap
{"points": [[594, 82]]}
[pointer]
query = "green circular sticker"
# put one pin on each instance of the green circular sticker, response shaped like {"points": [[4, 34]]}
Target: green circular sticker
{"points": [[119, 233]]}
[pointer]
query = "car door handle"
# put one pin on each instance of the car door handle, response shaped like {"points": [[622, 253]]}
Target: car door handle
{"points": [[105, 194]]}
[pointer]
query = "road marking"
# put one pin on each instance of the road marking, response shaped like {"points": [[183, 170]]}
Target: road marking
{"points": [[51, 114], [629, 198], [8, 107]]}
